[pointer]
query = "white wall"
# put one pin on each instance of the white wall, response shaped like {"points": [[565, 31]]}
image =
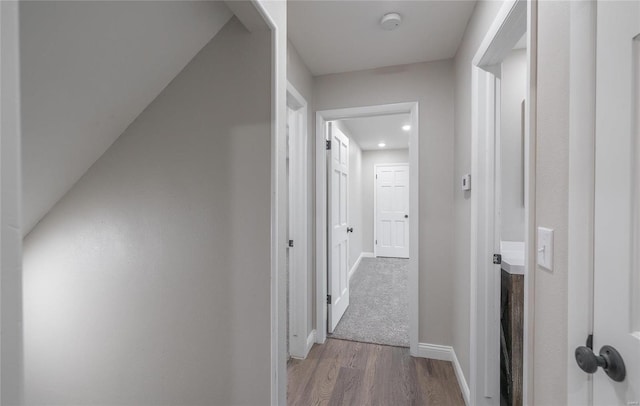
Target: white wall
{"points": [[88, 70], [11, 371], [550, 342], [432, 85], [149, 282], [300, 77], [369, 160], [552, 177], [513, 83], [483, 15]]}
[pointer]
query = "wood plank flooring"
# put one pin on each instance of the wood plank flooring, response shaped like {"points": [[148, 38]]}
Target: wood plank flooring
{"points": [[350, 373]]}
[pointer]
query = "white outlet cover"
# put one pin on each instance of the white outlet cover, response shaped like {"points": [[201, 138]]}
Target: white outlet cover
{"points": [[545, 248]]}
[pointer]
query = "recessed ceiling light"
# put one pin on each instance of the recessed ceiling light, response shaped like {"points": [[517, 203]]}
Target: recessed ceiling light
{"points": [[406, 127], [390, 21], [382, 145]]}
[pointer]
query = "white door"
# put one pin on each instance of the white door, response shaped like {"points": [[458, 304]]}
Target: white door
{"points": [[617, 207], [338, 267], [392, 211]]}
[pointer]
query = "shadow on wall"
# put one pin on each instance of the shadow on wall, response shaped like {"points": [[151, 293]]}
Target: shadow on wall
{"points": [[147, 282]]}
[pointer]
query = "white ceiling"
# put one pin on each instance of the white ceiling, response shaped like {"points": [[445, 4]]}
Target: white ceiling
{"points": [[88, 69], [368, 132], [343, 36]]}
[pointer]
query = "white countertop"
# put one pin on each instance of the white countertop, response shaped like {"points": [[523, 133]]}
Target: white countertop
{"points": [[512, 257]]}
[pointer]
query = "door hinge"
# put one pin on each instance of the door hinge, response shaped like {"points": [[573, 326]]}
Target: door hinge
{"points": [[328, 299], [291, 243], [376, 242], [328, 144], [590, 341], [497, 259]]}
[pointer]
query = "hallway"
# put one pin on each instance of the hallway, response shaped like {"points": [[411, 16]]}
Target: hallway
{"points": [[378, 311], [349, 373]]}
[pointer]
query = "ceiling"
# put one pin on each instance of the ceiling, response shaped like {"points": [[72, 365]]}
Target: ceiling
{"points": [[343, 36], [368, 132], [88, 69]]}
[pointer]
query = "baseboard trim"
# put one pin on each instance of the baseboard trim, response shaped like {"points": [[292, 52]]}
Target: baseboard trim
{"points": [[462, 382], [447, 353], [357, 263], [311, 339], [435, 351], [355, 266]]}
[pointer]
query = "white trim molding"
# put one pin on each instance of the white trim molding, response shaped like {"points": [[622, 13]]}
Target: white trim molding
{"points": [[447, 353], [272, 14], [355, 266], [357, 263], [515, 18], [581, 193], [322, 118], [311, 340], [435, 351], [298, 192]]}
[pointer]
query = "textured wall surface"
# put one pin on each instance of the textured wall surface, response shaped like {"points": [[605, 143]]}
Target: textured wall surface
{"points": [[552, 177], [432, 85], [149, 282], [482, 18]]}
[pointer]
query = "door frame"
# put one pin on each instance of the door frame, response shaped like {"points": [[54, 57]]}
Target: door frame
{"points": [[299, 344], [254, 14], [581, 206], [322, 117], [375, 203], [514, 18]]}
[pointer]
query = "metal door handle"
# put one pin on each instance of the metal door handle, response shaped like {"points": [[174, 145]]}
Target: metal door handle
{"points": [[349, 229], [609, 360]]}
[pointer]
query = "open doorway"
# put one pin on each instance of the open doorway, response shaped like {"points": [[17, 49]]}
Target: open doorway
{"points": [[502, 231], [509, 218], [367, 229]]}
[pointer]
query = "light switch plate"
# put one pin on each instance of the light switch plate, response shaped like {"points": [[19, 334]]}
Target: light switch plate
{"points": [[545, 248]]}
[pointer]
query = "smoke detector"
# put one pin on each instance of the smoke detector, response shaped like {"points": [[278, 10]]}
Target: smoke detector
{"points": [[391, 21]]}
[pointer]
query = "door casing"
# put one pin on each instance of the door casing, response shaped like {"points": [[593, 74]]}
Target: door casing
{"points": [[322, 118], [581, 210], [299, 345], [515, 18]]}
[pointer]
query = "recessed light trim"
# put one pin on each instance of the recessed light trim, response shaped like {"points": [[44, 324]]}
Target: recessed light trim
{"points": [[406, 127], [382, 145]]}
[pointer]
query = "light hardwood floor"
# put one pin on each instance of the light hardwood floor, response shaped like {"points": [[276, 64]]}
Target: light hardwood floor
{"points": [[350, 373]]}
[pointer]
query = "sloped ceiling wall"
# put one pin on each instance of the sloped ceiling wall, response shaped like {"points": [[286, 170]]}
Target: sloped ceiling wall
{"points": [[88, 69]]}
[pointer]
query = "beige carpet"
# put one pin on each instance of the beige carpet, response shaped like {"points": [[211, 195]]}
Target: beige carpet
{"points": [[378, 309]]}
